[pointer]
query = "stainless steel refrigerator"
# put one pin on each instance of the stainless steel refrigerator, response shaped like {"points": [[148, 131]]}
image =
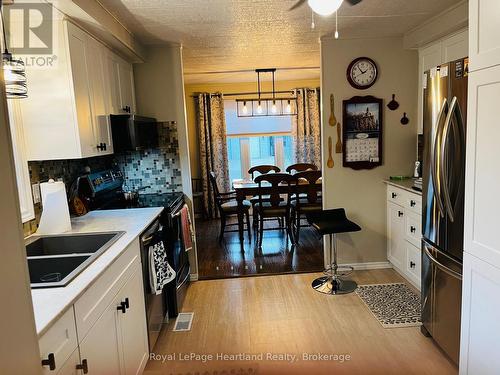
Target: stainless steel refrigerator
{"points": [[445, 106]]}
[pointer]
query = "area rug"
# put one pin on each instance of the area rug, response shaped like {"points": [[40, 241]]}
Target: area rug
{"points": [[394, 305]]}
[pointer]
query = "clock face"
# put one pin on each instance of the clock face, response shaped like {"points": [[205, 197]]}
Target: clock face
{"points": [[362, 73]]}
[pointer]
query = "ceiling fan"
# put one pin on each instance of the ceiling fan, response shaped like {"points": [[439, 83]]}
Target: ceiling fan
{"points": [[324, 7]]}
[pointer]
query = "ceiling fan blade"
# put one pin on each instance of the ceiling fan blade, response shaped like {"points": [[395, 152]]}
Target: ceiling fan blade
{"points": [[298, 4], [353, 2]]}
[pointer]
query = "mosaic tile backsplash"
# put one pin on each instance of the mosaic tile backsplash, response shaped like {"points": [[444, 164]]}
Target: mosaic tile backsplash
{"points": [[157, 168]]}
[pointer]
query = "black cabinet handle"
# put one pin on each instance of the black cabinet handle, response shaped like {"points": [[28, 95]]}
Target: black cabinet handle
{"points": [[50, 361], [413, 229], [83, 366], [122, 307], [394, 195], [400, 213], [412, 264], [126, 109], [413, 203], [127, 303]]}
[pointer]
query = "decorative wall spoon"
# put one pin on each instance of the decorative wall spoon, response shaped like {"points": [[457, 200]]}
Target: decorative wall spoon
{"points": [[332, 121], [330, 163]]}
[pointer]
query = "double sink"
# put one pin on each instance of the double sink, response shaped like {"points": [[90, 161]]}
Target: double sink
{"points": [[55, 260]]}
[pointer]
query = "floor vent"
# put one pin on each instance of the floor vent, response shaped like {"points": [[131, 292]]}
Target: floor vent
{"points": [[183, 322]]}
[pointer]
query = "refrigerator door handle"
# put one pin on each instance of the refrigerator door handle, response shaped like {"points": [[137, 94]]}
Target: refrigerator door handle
{"points": [[456, 115], [441, 266], [434, 162]]}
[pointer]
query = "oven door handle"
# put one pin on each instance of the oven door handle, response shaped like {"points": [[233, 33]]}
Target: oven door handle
{"points": [[441, 266]]}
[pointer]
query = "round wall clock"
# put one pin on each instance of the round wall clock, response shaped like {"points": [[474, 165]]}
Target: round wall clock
{"points": [[362, 73]]}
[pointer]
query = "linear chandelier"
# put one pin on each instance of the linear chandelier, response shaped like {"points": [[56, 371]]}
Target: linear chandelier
{"points": [[259, 107]]}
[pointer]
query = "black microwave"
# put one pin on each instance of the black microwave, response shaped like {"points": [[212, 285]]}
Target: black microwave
{"points": [[133, 132]]}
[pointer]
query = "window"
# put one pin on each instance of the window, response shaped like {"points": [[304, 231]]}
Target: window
{"points": [[257, 140]]}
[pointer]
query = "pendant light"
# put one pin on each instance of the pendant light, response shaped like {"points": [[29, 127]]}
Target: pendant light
{"points": [[14, 72], [274, 109], [325, 7]]}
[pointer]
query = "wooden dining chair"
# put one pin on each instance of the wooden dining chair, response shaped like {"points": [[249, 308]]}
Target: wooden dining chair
{"points": [[260, 169], [271, 205], [301, 167], [228, 206], [308, 202]]}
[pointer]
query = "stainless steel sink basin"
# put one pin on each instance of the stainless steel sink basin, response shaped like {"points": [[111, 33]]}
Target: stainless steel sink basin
{"points": [[55, 260]]}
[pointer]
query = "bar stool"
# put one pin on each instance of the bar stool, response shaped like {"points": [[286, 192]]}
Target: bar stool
{"points": [[332, 222]]}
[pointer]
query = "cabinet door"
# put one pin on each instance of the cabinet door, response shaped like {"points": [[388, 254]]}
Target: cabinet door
{"points": [[97, 79], [133, 325], [455, 47], [20, 161], [480, 324], [482, 201], [112, 83], [101, 346], [70, 366], [79, 55], [484, 43], [126, 86], [395, 235]]}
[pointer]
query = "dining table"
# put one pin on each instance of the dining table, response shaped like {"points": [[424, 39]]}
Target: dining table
{"points": [[248, 188]]}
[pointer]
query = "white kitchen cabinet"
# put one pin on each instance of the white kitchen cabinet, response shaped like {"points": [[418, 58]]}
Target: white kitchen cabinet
{"points": [[449, 48], [121, 85], [66, 112], [404, 232], [484, 27], [126, 80], [132, 325], [72, 365], [480, 324], [20, 161]]}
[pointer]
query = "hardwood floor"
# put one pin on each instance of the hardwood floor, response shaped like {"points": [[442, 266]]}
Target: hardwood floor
{"points": [[226, 259], [283, 315]]}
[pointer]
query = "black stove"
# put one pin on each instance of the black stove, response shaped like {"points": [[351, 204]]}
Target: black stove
{"points": [[169, 201]]}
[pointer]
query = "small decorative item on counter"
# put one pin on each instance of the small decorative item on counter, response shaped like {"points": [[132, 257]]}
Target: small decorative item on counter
{"points": [[393, 104], [333, 120], [399, 178], [330, 163], [338, 146], [405, 120]]}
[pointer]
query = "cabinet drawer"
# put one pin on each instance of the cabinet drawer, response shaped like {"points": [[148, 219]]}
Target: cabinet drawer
{"points": [[413, 230], [92, 304], [60, 341], [413, 263], [396, 195], [414, 203]]}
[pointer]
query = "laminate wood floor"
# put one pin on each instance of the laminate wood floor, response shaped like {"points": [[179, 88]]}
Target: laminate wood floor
{"points": [[283, 315], [226, 259]]}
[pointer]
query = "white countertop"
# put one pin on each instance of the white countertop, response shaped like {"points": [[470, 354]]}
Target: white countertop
{"points": [[50, 303]]}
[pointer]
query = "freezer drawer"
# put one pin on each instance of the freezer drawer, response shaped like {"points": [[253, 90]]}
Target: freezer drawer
{"points": [[441, 298]]}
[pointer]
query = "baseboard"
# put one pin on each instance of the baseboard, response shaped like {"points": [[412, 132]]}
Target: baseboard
{"points": [[193, 277], [368, 265]]}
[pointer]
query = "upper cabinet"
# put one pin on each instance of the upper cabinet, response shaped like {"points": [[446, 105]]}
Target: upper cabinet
{"points": [[450, 48], [484, 42], [66, 114]]}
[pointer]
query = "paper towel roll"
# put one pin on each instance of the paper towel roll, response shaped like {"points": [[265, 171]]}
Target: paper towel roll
{"points": [[55, 214]]}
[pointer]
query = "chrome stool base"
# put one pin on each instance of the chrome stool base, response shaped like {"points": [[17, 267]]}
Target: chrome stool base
{"points": [[329, 285]]}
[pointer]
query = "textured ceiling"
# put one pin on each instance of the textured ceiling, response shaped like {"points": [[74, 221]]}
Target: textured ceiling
{"points": [[221, 36]]}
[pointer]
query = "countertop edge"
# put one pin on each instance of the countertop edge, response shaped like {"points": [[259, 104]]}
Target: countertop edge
{"points": [[43, 329]]}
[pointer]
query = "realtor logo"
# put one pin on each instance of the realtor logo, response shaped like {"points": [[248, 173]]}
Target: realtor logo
{"points": [[30, 28]]}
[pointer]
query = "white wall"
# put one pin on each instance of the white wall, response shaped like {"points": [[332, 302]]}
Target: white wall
{"points": [[362, 193], [19, 352], [159, 92]]}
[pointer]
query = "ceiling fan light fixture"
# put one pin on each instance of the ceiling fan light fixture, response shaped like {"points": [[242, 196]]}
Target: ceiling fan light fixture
{"points": [[324, 7]]}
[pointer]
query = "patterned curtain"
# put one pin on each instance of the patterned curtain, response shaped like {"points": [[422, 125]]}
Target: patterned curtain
{"points": [[213, 146], [306, 128]]}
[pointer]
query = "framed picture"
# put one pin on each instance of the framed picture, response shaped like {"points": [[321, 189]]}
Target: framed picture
{"points": [[362, 132]]}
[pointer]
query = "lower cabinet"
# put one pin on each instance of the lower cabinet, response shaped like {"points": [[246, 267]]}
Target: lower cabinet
{"points": [[404, 233], [117, 340]]}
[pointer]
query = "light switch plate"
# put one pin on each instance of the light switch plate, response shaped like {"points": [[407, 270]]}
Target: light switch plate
{"points": [[35, 188]]}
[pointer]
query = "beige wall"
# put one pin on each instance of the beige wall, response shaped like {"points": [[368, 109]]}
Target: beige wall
{"points": [[226, 88], [362, 193]]}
